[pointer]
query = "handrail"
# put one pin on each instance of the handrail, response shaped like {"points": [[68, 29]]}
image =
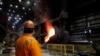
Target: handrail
{"points": [[62, 49]]}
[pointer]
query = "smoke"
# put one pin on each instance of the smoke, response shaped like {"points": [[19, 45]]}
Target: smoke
{"points": [[41, 8]]}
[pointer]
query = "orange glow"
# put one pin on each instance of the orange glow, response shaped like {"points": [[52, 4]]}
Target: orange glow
{"points": [[50, 30]]}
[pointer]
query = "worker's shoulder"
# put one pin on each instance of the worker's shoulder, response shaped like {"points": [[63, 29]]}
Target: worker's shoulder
{"points": [[31, 40]]}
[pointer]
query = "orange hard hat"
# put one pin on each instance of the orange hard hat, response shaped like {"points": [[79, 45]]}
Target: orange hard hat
{"points": [[29, 24]]}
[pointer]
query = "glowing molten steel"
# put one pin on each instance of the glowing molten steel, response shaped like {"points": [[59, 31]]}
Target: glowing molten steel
{"points": [[50, 31]]}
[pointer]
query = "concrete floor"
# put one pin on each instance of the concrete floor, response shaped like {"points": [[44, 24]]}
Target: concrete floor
{"points": [[45, 53]]}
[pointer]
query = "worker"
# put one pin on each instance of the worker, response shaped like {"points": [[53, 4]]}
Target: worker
{"points": [[27, 45]]}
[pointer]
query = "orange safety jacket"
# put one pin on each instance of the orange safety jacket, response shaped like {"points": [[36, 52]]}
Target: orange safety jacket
{"points": [[27, 45]]}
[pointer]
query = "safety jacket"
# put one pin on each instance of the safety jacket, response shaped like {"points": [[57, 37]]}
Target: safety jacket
{"points": [[27, 45]]}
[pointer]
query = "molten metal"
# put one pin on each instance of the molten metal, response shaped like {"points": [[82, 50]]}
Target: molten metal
{"points": [[51, 33], [50, 30]]}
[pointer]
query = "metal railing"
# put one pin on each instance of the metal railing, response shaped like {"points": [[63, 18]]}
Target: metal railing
{"points": [[61, 49]]}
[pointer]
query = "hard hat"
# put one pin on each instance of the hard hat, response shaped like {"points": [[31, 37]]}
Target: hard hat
{"points": [[29, 24]]}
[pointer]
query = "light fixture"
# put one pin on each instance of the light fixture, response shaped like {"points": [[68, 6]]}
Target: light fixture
{"points": [[85, 31], [11, 5], [28, 2], [23, 8], [29, 9], [0, 8], [9, 18], [17, 15], [19, 18], [25, 13], [90, 31], [1, 3], [16, 6], [9, 10], [13, 11], [34, 3], [15, 18], [11, 14], [17, 21], [14, 23], [13, 26], [22, 16], [7, 13], [20, 0]]}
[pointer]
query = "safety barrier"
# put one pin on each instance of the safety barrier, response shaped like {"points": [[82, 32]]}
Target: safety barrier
{"points": [[61, 49]]}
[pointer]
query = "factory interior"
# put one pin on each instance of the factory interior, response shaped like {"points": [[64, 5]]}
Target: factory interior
{"points": [[62, 27]]}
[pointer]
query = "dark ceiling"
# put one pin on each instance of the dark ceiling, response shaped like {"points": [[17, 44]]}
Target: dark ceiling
{"points": [[74, 8], [6, 7], [82, 7], [54, 6]]}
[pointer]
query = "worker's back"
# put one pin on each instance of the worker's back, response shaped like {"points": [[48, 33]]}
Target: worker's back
{"points": [[26, 45]]}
